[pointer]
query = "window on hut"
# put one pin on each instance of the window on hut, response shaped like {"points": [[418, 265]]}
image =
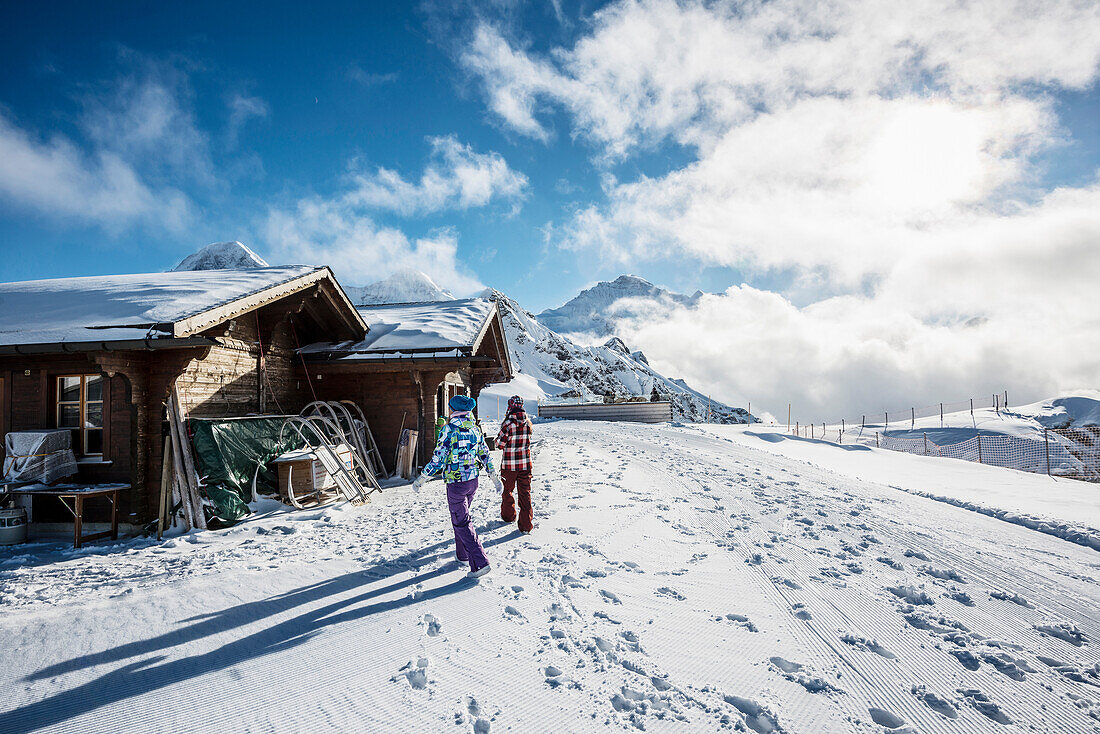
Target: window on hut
{"points": [[80, 408]]}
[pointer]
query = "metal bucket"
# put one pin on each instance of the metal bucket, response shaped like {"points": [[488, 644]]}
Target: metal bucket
{"points": [[13, 526]]}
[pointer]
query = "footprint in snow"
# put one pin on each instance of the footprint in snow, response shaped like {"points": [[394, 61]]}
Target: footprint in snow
{"points": [[986, 707], [862, 643], [471, 712], [415, 672], [432, 625], [741, 620], [513, 613], [911, 594], [936, 702], [758, 718], [554, 676], [885, 718], [671, 593], [1014, 598], [794, 673], [786, 582], [944, 574], [801, 612], [962, 598], [1063, 631], [609, 596]]}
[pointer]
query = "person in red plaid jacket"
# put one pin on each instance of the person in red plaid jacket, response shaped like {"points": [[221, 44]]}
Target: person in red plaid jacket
{"points": [[514, 439]]}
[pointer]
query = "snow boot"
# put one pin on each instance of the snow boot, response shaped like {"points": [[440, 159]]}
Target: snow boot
{"points": [[478, 573]]}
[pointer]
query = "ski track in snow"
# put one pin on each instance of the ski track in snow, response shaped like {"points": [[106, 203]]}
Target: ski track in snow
{"points": [[675, 582]]}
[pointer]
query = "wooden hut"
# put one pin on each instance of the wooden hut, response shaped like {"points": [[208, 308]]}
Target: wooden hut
{"points": [[414, 358], [100, 354]]}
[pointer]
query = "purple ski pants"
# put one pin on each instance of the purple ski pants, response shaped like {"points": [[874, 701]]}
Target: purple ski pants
{"points": [[467, 545]]}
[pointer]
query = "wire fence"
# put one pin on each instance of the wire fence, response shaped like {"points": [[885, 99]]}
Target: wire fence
{"points": [[1064, 452]]}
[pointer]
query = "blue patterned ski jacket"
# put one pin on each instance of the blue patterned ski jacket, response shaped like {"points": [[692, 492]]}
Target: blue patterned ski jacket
{"points": [[460, 452]]}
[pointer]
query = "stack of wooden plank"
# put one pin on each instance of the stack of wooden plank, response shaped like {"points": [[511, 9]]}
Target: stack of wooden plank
{"points": [[178, 476]]}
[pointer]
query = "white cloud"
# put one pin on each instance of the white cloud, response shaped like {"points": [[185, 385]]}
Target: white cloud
{"points": [[883, 150], [687, 70], [456, 177], [241, 109], [56, 179], [999, 303], [332, 232], [145, 117]]}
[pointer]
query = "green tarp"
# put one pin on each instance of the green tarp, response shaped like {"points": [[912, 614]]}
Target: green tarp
{"points": [[230, 452]]}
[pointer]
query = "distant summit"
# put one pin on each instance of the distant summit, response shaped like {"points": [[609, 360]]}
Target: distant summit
{"points": [[222, 256], [592, 310], [404, 286]]}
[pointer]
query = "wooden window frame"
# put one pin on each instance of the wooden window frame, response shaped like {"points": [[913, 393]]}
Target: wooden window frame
{"points": [[82, 430]]}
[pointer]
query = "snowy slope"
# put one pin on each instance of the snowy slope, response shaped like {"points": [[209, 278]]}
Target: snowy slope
{"points": [[553, 365], [595, 310], [407, 286], [676, 582], [222, 256]]}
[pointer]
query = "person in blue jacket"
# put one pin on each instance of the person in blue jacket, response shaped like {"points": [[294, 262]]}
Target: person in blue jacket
{"points": [[459, 455]]}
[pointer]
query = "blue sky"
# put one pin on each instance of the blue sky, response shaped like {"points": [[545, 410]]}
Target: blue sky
{"points": [[875, 197], [352, 86]]}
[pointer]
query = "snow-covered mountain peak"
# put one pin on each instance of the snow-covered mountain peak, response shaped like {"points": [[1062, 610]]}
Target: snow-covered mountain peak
{"points": [[222, 256], [551, 365], [616, 344], [404, 286], [595, 310]]}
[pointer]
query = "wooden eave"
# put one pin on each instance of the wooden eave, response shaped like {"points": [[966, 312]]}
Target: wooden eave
{"points": [[349, 323], [500, 342]]}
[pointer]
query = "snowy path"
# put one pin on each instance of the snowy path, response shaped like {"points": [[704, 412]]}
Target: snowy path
{"points": [[675, 577]]}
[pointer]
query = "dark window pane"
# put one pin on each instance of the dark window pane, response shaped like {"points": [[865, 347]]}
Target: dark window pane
{"points": [[94, 441], [68, 416], [94, 387], [93, 415], [68, 389]]}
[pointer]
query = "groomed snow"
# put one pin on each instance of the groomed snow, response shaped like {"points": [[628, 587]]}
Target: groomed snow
{"points": [[113, 307], [678, 581]]}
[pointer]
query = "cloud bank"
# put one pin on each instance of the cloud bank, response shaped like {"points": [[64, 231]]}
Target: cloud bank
{"points": [[887, 152]]}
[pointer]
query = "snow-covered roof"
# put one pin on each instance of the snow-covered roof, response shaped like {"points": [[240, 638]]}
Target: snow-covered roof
{"points": [[108, 308], [451, 327]]}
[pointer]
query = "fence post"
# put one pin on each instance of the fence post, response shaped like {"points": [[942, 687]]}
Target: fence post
{"points": [[750, 413], [797, 430], [1046, 445], [980, 448], [912, 418], [997, 404], [811, 430], [886, 427], [841, 439], [1006, 399], [972, 409], [822, 430], [876, 439], [926, 444], [941, 415]]}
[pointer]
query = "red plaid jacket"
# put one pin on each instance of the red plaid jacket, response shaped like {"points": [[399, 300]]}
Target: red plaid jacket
{"points": [[515, 439]]}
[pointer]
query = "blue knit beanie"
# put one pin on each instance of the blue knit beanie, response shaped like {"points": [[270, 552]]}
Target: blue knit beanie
{"points": [[462, 403]]}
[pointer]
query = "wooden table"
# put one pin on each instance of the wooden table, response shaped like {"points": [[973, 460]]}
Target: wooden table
{"points": [[78, 494]]}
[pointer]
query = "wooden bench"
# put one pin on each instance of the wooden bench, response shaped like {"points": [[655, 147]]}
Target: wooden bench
{"points": [[76, 493]]}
